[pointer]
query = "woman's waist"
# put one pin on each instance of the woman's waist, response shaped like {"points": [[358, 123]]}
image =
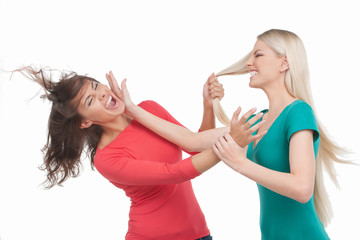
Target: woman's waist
{"points": [[170, 221], [149, 199]]}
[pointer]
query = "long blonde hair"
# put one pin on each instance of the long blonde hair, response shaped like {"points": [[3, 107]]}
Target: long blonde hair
{"points": [[288, 44]]}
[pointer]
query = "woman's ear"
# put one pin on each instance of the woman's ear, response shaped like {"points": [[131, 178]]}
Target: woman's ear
{"points": [[284, 64], [85, 124]]}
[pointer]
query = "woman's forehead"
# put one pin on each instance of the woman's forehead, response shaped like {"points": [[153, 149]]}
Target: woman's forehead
{"points": [[80, 97], [260, 45]]}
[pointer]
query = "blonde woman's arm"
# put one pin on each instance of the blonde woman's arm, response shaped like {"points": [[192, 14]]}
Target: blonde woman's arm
{"points": [[298, 184]]}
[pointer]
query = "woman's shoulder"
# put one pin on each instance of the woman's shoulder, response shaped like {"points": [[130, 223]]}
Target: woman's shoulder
{"points": [[151, 105], [298, 108], [299, 105], [154, 108], [300, 116]]}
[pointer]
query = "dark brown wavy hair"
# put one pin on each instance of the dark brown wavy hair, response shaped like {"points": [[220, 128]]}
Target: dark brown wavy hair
{"points": [[66, 141]]}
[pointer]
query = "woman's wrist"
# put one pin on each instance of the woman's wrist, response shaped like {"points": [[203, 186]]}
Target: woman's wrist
{"points": [[208, 104], [243, 165], [131, 110]]}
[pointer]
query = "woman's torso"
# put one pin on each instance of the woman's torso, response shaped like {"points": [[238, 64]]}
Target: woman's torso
{"points": [[282, 217], [161, 211]]}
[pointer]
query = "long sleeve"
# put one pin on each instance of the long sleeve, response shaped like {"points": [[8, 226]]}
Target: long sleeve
{"points": [[125, 170]]}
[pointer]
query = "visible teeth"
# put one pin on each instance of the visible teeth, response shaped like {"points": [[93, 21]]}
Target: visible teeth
{"points": [[253, 73], [108, 102]]}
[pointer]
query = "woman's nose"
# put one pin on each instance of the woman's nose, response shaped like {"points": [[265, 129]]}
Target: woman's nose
{"points": [[102, 94], [249, 62]]}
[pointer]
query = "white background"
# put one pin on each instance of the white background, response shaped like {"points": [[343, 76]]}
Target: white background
{"points": [[166, 49]]}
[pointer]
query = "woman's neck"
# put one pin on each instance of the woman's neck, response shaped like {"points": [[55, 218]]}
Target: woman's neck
{"points": [[279, 98], [112, 129]]}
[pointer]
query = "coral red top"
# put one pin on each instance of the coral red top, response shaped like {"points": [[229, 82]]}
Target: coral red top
{"points": [[153, 175]]}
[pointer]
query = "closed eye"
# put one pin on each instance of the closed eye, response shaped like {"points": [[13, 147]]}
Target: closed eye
{"points": [[89, 99]]}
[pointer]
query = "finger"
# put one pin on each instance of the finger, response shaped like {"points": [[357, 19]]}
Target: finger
{"points": [[254, 119], [216, 89], [213, 79], [210, 77], [215, 84], [107, 76], [114, 81], [123, 86], [110, 83], [212, 91], [229, 138], [216, 151], [235, 116], [257, 126], [217, 95], [222, 141], [219, 147], [110, 80], [112, 87], [247, 115], [259, 135], [217, 92]]}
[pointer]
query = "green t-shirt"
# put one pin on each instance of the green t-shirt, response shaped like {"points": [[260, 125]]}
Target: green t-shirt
{"points": [[282, 218]]}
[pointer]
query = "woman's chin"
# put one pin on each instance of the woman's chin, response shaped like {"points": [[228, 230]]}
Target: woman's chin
{"points": [[252, 84]]}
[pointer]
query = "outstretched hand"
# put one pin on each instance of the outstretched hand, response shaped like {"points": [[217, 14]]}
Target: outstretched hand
{"points": [[122, 93], [241, 130]]}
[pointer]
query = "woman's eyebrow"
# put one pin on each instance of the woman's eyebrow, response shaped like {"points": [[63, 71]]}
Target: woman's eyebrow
{"points": [[257, 51]]}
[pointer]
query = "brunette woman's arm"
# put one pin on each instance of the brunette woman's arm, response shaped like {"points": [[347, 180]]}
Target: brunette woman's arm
{"points": [[186, 139], [212, 89]]}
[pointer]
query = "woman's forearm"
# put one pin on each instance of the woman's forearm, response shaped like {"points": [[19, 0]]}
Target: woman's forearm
{"points": [[208, 120], [298, 184], [287, 184], [205, 160], [186, 139]]}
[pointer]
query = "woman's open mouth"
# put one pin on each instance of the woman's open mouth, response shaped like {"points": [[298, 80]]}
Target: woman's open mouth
{"points": [[111, 103]]}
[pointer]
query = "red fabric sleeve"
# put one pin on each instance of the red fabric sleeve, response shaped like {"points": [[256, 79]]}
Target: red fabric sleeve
{"points": [[161, 112], [128, 171]]}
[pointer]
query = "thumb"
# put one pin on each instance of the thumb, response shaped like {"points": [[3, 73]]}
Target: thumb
{"points": [[211, 76], [236, 115]]}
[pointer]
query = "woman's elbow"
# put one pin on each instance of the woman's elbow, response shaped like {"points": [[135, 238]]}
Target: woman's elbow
{"points": [[194, 143], [304, 193], [193, 148]]}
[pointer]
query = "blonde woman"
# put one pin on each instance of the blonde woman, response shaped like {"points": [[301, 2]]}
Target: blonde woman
{"points": [[287, 162]]}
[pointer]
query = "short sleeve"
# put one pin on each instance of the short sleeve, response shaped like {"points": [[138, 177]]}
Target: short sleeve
{"points": [[300, 116]]}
